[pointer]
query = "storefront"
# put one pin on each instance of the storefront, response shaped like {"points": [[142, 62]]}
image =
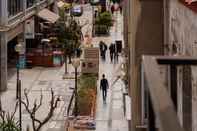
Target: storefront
{"points": [[45, 50]]}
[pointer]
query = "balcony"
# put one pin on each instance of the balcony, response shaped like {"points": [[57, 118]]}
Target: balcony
{"points": [[30, 11], [162, 104]]}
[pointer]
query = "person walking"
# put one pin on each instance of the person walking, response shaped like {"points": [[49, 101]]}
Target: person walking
{"points": [[104, 86], [111, 51], [120, 8], [112, 9], [103, 49], [115, 53]]}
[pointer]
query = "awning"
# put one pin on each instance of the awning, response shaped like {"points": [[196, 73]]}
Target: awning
{"points": [[48, 15]]}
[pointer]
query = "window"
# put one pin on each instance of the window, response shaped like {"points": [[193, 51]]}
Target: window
{"points": [[14, 7]]}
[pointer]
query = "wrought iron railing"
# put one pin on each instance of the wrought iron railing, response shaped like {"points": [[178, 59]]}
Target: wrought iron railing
{"points": [[162, 105]]}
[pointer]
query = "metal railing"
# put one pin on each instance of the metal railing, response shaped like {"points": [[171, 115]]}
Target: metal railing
{"points": [[161, 105], [71, 104]]}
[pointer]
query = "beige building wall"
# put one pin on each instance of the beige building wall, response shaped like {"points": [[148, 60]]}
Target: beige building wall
{"points": [[145, 37], [183, 41]]}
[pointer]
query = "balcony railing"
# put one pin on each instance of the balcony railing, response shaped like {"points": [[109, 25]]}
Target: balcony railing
{"points": [[31, 10], [162, 105]]}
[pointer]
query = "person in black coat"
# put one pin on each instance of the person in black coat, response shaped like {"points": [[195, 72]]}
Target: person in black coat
{"points": [[111, 51], [104, 86], [103, 49]]}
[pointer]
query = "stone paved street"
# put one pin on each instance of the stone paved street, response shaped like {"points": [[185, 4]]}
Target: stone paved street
{"points": [[110, 116], [44, 79]]}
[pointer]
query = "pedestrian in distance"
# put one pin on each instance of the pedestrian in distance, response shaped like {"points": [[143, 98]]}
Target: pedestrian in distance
{"points": [[111, 51], [112, 9], [103, 49], [116, 53], [104, 52], [120, 8], [104, 86]]}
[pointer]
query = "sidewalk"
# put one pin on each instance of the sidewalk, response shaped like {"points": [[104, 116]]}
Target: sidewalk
{"points": [[44, 79], [110, 116]]}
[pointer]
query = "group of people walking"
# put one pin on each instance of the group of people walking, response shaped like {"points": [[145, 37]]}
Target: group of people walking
{"points": [[116, 7], [114, 50]]}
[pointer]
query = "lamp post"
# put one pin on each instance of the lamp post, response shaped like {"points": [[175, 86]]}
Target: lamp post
{"points": [[76, 64], [18, 49]]}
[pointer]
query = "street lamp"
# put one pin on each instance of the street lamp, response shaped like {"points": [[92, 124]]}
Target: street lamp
{"points": [[76, 64], [18, 49]]}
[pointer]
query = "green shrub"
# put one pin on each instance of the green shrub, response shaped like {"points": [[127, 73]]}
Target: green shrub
{"points": [[101, 29], [88, 81], [7, 123], [104, 18], [84, 101], [87, 84]]}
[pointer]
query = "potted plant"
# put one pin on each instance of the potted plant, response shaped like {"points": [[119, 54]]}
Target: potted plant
{"points": [[87, 94]]}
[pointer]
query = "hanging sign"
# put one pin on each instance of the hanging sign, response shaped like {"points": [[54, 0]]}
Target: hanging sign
{"points": [[30, 28]]}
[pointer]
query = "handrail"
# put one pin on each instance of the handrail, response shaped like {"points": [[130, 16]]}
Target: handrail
{"points": [[70, 103], [160, 100]]}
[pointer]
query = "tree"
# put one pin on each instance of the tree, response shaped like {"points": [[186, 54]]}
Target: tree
{"points": [[70, 36], [36, 123]]}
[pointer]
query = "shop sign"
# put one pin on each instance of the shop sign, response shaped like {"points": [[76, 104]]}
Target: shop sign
{"points": [[30, 28]]}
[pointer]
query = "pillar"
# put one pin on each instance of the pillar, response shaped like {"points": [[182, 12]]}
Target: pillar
{"points": [[3, 46], [3, 62]]}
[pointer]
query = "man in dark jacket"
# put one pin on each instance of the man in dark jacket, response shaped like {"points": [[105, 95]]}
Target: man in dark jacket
{"points": [[104, 86], [103, 49], [112, 51]]}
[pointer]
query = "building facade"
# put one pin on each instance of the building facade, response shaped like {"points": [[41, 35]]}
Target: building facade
{"points": [[164, 27], [14, 15]]}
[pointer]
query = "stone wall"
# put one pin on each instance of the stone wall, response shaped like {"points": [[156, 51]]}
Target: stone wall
{"points": [[183, 41]]}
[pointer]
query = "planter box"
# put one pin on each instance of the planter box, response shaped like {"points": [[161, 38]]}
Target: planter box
{"points": [[101, 30]]}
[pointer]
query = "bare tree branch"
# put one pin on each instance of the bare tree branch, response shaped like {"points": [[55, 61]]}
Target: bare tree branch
{"points": [[26, 96], [15, 109], [41, 98], [32, 112]]}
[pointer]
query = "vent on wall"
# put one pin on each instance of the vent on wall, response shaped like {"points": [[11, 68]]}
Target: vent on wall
{"points": [[191, 4]]}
